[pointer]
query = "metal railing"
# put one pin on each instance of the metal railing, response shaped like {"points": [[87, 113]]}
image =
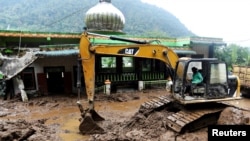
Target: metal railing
{"points": [[124, 77]]}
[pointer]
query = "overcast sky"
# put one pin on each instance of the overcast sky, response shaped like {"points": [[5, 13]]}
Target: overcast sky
{"points": [[227, 19]]}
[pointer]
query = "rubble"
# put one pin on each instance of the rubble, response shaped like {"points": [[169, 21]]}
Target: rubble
{"points": [[12, 65]]}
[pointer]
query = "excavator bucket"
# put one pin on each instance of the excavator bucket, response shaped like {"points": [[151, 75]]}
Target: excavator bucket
{"points": [[89, 126], [89, 121]]}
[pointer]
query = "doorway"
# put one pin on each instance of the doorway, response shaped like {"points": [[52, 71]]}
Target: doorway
{"points": [[55, 79]]}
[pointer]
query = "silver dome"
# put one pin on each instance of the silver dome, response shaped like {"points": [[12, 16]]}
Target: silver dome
{"points": [[104, 17]]}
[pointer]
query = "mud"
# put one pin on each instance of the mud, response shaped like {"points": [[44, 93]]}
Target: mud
{"points": [[56, 117]]}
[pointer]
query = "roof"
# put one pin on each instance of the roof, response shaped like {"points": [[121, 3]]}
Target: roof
{"points": [[209, 43], [73, 52], [185, 52], [69, 52], [53, 38], [11, 33], [13, 65]]}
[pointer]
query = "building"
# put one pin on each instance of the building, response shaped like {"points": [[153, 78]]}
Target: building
{"points": [[54, 70]]}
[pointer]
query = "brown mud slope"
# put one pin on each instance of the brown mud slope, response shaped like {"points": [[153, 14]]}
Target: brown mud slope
{"points": [[22, 130], [17, 123], [57, 118], [154, 127]]}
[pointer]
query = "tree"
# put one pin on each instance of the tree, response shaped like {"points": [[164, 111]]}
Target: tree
{"points": [[233, 55]]}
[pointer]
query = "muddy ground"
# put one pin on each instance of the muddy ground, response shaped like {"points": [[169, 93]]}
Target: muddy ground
{"points": [[56, 117]]}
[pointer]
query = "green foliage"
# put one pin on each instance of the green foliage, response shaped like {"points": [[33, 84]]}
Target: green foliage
{"points": [[233, 55], [155, 33], [68, 16]]}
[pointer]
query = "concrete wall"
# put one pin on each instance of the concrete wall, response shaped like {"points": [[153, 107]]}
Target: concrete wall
{"points": [[67, 61], [201, 49]]}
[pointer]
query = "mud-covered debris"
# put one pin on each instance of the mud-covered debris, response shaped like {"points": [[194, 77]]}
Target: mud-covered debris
{"points": [[3, 114], [41, 103], [123, 121], [233, 116], [118, 97], [54, 105], [22, 130], [137, 128]]}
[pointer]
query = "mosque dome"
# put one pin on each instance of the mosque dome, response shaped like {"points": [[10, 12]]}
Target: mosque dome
{"points": [[104, 17]]}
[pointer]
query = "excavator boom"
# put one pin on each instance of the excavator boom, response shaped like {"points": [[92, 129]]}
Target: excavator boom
{"points": [[88, 52], [217, 85], [136, 49]]}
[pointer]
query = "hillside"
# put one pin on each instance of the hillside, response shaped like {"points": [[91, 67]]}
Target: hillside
{"points": [[68, 16]]}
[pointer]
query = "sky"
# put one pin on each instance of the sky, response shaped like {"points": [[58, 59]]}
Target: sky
{"points": [[227, 19]]}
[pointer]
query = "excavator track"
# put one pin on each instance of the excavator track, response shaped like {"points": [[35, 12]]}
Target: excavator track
{"points": [[154, 104], [184, 118], [192, 120]]}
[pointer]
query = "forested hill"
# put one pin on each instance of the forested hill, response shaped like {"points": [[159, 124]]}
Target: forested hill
{"points": [[68, 16]]}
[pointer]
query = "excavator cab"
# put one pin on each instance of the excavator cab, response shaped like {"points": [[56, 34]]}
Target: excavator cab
{"points": [[217, 84]]}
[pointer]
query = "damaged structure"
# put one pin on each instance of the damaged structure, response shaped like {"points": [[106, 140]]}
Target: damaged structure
{"points": [[46, 62], [10, 67], [48, 65]]}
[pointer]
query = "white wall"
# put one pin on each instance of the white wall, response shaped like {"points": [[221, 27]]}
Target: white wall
{"points": [[67, 61]]}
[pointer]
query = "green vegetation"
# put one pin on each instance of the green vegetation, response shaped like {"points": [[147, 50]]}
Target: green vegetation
{"points": [[68, 16], [142, 20], [233, 55]]}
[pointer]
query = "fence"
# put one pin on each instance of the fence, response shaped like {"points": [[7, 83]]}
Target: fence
{"points": [[128, 77]]}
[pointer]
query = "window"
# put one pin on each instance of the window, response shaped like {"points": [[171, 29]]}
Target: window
{"points": [[127, 64], [108, 62], [218, 73], [146, 65], [198, 65], [28, 77]]}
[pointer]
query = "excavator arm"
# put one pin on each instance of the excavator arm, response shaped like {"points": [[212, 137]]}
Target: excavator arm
{"points": [[87, 55], [214, 91]]}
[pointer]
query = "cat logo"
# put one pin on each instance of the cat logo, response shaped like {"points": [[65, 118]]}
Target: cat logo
{"points": [[129, 51]]}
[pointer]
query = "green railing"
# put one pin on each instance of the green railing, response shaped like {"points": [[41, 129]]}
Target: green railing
{"points": [[147, 76], [155, 83], [100, 78], [125, 77], [149, 80]]}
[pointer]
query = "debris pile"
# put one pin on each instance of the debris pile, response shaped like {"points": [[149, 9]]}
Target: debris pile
{"points": [[23, 130], [12, 65]]}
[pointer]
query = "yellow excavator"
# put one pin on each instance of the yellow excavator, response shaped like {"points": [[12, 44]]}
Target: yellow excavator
{"points": [[217, 85]]}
